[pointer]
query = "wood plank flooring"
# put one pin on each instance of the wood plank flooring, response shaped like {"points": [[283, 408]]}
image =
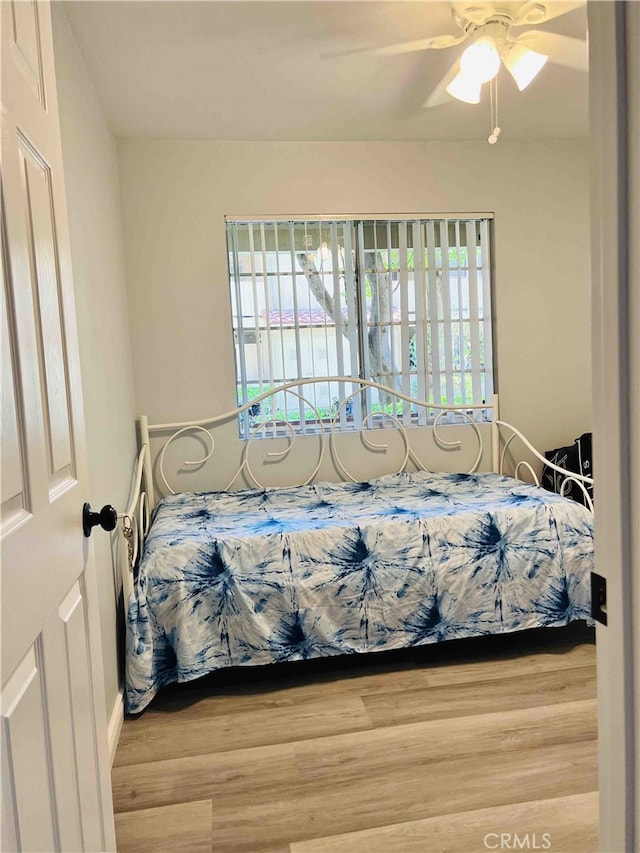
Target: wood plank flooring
{"points": [[423, 750]]}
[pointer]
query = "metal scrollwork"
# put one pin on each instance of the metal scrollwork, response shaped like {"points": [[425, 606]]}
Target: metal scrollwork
{"points": [[524, 464], [568, 481], [194, 462], [291, 437], [569, 477], [439, 439], [370, 445]]}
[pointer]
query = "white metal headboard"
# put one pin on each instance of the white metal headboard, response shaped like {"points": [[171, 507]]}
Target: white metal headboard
{"points": [[327, 429], [136, 518]]}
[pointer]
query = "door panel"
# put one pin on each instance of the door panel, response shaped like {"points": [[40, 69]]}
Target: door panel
{"points": [[25, 45], [45, 284], [25, 716], [15, 501], [73, 618], [56, 786]]}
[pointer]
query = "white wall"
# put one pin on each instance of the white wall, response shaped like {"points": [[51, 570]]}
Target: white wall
{"points": [[91, 177], [176, 193]]}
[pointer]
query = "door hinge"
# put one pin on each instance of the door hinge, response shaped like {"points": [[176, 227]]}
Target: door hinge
{"points": [[599, 598]]}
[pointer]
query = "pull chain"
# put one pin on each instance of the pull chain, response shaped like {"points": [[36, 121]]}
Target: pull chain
{"points": [[493, 93]]}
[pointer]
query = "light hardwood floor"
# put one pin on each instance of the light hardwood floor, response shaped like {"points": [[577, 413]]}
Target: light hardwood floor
{"points": [[423, 750]]}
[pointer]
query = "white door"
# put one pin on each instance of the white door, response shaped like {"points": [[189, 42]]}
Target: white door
{"points": [[56, 791], [614, 69]]}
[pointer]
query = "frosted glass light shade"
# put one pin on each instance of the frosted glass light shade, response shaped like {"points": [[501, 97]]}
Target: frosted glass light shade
{"points": [[481, 60], [465, 87], [523, 64]]}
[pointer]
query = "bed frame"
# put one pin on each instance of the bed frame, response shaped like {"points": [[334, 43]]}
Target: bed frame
{"points": [[477, 430]]}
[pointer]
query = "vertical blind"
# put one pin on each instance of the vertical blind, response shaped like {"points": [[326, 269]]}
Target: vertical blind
{"points": [[402, 302]]}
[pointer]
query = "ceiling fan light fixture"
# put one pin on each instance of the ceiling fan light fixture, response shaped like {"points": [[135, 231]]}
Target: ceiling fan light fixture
{"points": [[523, 64], [481, 60], [465, 87]]}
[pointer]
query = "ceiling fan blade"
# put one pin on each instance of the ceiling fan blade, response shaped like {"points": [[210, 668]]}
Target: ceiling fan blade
{"points": [[538, 13], [433, 43], [440, 94], [563, 50], [478, 13]]}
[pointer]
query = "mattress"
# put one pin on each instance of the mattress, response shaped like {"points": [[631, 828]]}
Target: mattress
{"points": [[266, 575]]}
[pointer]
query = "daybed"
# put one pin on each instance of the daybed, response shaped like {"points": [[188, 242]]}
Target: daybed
{"points": [[260, 575]]}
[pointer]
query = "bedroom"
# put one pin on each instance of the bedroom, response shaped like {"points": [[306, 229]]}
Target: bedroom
{"points": [[155, 216]]}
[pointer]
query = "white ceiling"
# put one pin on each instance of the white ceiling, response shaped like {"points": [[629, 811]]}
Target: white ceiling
{"points": [[262, 70]]}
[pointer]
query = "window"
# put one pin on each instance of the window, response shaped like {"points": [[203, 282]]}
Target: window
{"points": [[405, 303]]}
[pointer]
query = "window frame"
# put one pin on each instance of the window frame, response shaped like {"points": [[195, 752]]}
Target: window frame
{"points": [[488, 375]]}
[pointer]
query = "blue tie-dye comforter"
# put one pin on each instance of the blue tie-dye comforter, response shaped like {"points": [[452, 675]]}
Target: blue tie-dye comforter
{"points": [[254, 577]]}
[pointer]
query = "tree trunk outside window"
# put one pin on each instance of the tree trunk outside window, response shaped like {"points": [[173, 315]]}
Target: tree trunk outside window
{"points": [[379, 330]]}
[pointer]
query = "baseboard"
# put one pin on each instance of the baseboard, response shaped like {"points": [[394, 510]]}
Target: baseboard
{"points": [[115, 724]]}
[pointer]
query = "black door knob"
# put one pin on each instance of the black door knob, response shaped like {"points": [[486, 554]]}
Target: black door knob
{"points": [[107, 518]]}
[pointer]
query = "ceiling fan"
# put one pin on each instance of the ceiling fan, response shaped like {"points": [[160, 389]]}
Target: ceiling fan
{"points": [[492, 33]]}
